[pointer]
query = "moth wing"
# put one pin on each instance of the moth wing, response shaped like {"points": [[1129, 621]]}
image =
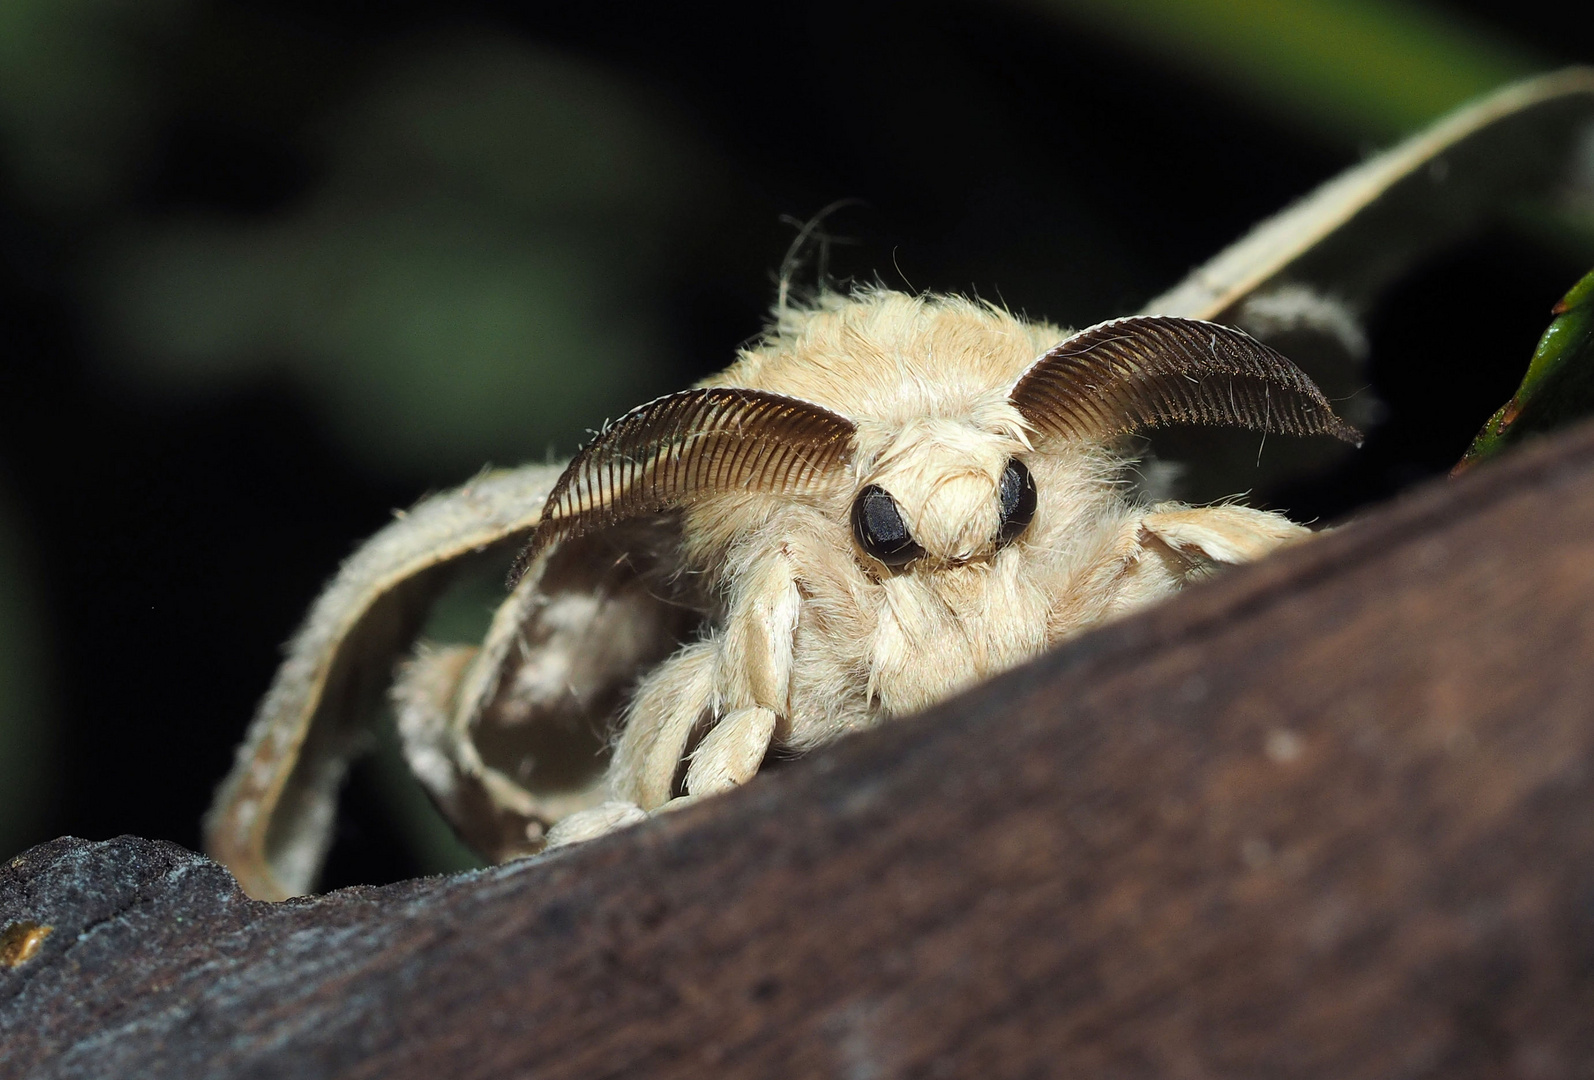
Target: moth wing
{"points": [[270, 822]]}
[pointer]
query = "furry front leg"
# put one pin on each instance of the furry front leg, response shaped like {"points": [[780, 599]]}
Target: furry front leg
{"points": [[756, 649], [754, 677], [586, 825], [1220, 535], [735, 679], [1160, 551], [659, 723], [730, 754], [739, 680]]}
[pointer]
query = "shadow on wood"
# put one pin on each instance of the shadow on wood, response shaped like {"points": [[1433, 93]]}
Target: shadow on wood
{"points": [[1331, 816]]}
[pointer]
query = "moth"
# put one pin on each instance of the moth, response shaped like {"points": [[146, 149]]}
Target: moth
{"points": [[888, 499]]}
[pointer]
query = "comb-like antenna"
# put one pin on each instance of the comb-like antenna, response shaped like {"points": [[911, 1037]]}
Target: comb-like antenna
{"points": [[660, 455], [1127, 375]]}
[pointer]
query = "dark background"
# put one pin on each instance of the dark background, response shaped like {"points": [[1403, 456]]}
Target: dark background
{"points": [[270, 270]]}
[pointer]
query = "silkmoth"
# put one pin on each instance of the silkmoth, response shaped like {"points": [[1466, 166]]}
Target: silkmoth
{"points": [[887, 499]]}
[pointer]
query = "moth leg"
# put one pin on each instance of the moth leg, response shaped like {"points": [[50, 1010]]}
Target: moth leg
{"points": [[741, 678], [1159, 552], [668, 705], [1208, 536], [730, 754], [756, 649], [590, 824], [755, 659]]}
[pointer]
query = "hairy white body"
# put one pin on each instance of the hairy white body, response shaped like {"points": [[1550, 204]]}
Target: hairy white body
{"points": [[814, 638]]}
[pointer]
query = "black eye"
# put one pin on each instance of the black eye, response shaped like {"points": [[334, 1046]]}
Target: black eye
{"points": [[880, 530], [1018, 501]]}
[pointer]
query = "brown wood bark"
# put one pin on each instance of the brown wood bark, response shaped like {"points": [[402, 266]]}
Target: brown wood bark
{"points": [[1331, 816]]}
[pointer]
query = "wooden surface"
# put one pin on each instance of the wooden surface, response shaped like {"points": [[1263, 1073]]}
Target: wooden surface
{"points": [[1331, 816]]}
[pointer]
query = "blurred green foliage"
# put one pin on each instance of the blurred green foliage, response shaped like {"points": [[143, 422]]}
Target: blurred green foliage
{"points": [[471, 283], [76, 100], [1365, 71]]}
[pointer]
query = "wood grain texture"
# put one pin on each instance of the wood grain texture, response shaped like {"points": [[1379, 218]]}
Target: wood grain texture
{"points": [[1329, 816]]}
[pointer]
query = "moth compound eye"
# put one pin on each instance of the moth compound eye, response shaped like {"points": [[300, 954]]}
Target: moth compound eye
{"points": [[1018, 501], [880, 530]]}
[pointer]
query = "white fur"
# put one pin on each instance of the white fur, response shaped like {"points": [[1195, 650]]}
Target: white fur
{"points": [[814, 637]]}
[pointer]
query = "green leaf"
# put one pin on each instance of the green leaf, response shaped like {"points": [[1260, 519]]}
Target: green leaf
{"points": [[1559, 386]]}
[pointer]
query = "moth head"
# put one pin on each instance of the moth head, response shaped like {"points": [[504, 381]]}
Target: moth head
{"points": [[932, 492], [940, 492]]}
